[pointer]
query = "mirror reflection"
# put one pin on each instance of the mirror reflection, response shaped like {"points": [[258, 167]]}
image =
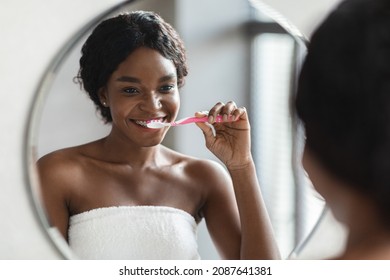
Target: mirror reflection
{"points": [[104, 175]]}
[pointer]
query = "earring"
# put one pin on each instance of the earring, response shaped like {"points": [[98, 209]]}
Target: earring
{"points": [[104, 103]]}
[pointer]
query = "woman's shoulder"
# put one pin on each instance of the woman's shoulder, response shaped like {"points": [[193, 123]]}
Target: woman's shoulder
{"points": [[71, 154], [206, 166], [190, 161], [61, 157], [202, 169], [63, 162], [57, 171]]}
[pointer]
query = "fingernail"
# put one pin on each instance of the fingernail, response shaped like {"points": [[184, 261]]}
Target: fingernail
{"points": [[211, 119]]}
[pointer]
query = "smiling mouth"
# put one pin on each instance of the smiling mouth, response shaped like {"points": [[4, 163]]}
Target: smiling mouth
{"points": [[143, 123]]}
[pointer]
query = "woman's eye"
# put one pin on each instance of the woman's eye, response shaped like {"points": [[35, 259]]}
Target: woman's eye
{"points": [[167, 88], [130, 91]]}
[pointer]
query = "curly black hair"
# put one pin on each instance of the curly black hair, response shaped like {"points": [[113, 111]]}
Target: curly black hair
{"points": [[116, 38], [343, 96]]}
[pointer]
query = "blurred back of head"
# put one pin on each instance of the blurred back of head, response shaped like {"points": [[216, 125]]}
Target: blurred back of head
{"points": [[343, 96]]}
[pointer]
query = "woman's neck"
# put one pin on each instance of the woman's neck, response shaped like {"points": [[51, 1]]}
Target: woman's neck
{"points": [[119, 150], [369, 236], [373, 245]]}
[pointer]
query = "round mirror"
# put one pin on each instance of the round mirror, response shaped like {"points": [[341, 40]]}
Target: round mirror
{"points": [[243, 52]]}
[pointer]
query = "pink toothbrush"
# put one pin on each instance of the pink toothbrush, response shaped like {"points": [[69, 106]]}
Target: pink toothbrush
{"points": [[158, 124]]}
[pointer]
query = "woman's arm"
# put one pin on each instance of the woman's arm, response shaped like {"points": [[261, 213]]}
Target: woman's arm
{"points": [[257, 240], [231, 144], [53, 191]]}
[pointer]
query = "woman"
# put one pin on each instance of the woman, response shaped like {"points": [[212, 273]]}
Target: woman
{"points": [[126, 195], [344, 102]]}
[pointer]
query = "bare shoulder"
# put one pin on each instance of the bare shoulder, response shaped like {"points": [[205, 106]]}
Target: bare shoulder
{"points": [[207, 169], [218, 205], [204, 172], [61, 168], [59, 160]]}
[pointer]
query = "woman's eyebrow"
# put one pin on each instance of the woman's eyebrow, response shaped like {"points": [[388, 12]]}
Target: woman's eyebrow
{"points": [[128, 79], [167, 77]]}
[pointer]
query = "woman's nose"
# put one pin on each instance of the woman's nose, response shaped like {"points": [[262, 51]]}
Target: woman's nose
{"points": [[151, 102]]}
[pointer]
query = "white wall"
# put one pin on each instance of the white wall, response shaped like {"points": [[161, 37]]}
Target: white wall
{"points": [[32, 33]]}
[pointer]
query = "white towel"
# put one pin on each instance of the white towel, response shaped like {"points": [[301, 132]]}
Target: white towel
{"points": [[134, 232]]}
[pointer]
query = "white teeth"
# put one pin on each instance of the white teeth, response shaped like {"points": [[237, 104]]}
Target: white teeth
{"points": [[142, 123], [145, 123]]}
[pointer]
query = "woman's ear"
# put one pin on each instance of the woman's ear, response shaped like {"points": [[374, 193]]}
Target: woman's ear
{"points": [[103, 96]]}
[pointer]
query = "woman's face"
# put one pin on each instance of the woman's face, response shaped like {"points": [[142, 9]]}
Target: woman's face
{"points": [[143, 88]]}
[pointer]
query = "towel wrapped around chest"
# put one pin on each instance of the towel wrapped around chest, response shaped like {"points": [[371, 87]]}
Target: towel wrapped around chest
{"points": [[134, 232]]}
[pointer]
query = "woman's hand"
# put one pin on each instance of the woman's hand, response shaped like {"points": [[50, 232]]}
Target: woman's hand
{"points": [[231, 144], [228, 140]]}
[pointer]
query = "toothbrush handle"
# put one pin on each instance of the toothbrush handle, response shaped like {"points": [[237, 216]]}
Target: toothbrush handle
{"points": [[194, 119]]}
